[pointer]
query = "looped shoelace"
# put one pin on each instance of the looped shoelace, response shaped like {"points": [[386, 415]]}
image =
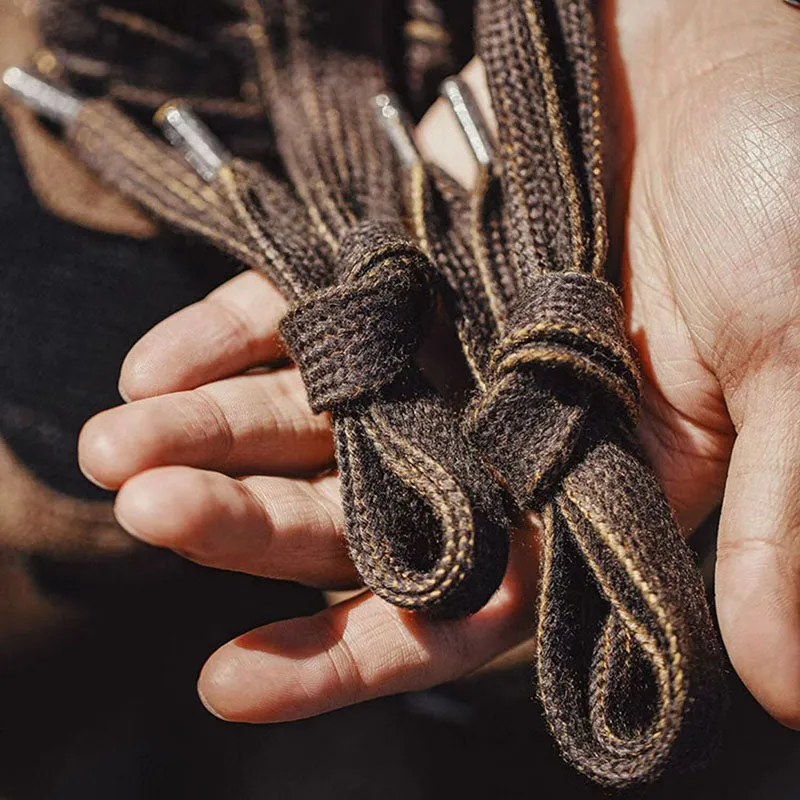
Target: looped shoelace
{"points": [[353, 339], [628, 660], [425, 525]]}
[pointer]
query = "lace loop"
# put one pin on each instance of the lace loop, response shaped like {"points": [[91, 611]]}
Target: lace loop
{"points": [[351, 340], [573, 321]]}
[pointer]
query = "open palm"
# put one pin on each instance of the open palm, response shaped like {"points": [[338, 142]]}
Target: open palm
{"points": [[705, 115], [713, 273]]}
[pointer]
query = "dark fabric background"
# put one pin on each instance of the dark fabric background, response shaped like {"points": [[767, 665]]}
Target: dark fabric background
{"points": [[72, 302], [108, 709]]}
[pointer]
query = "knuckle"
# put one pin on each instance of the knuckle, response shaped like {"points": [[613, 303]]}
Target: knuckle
{"points": [[240, 332], [283, 408], [259, 507], [206, 418], [346, 672], [328, 514]]}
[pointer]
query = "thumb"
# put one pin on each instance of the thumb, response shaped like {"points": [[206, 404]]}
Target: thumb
{"points": [[758, 559]]}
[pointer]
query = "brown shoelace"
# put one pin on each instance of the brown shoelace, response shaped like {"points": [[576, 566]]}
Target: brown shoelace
{"points": [[628, 661], [426, 526], [627, 656]]}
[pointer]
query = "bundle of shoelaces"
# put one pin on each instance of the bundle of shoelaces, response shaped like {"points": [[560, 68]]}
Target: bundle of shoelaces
{"points": [[318, 185]]}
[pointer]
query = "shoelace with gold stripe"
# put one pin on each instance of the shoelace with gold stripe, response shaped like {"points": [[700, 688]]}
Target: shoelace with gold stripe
{"points": [[425, 524], [628, 660], [628, 663]]}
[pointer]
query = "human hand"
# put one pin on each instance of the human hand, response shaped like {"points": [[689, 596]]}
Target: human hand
{"points": [[183, 452], [702, 343], [714, 290]]}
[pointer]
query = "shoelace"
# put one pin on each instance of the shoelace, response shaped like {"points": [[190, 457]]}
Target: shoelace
{"points": [[425, 525], [628, 661], [627, 656], [144, 53]]}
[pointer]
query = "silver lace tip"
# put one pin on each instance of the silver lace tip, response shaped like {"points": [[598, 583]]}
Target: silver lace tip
{"points": [[470, 119], [52, 103], [184, 130], [393, 120]]}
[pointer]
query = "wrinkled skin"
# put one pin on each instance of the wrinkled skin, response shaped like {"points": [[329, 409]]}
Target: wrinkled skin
{"points": [[706, 126]]}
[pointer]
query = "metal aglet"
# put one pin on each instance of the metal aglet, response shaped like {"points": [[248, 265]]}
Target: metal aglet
{"points": [[393, 120], [52, 103], [470, 119], [184, 130]]}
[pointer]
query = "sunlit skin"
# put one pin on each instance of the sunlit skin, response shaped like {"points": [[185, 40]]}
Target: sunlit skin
{"points": [[705, 130]]}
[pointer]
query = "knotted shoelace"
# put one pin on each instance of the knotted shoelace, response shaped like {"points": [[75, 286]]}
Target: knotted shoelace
{"points": [[628, 661], [356, 238], [425, 525]]}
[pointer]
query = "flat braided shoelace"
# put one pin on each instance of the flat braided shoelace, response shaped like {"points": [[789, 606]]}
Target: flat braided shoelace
{"points": [[425, 525], [628, 661]]}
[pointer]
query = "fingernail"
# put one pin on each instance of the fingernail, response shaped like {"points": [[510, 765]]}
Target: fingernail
{"points": [[124, 524], [208, 707], [91, 478]]}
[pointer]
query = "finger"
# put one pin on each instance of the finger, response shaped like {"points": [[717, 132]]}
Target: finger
{"points": [[252, 423], [231, 330], [758, 560], [438, 136], [361, 649], [274, 527]]}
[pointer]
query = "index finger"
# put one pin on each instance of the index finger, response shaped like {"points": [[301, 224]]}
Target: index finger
{"points": [[233, 329]]}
